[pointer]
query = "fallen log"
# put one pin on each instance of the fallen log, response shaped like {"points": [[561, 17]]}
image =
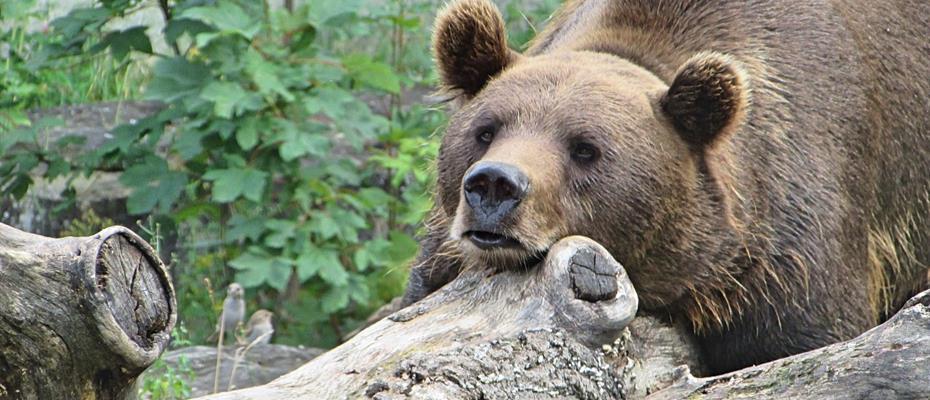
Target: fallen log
{"points": [[890, 361], [80, 317], [513, 334], [541, 334]]}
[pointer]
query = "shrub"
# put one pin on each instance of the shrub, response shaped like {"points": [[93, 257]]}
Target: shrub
{"points": [[289, 156]]}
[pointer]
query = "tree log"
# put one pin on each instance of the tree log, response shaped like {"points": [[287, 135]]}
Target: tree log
{"points": [[512, 334], [890, 361], [80, 318], [539, 334]]}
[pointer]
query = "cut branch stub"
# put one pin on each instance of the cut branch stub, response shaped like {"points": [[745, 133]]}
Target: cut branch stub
{"points": [[593, 278], [133, 288], [80, 317], [483, 335]]}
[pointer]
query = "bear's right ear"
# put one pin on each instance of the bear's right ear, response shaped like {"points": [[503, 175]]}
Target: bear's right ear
{"points": [[708, 99], [470, 45]]}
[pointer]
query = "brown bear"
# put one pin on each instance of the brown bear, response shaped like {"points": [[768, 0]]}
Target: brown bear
{"points": [[760, 168]]}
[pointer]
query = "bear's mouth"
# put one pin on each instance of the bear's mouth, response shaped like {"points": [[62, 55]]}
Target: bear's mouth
{"points": [[485, 240]]}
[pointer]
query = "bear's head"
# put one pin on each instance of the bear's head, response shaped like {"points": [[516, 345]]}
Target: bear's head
{"points": [[582, 143]]}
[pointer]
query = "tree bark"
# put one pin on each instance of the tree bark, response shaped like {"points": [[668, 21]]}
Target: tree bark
{"points": [[513, 334], [80, 318], [890, 361]]}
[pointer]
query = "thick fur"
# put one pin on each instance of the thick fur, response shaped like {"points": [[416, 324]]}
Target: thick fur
{"points": [[469, 36], [763, 168], [708, 98]]}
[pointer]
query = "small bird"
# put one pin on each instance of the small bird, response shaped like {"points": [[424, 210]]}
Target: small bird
{"points": [[259, 328], [233, 312]]}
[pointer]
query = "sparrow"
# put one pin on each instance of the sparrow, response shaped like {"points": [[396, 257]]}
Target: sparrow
{"points": [[233, 312], [259, 328]]}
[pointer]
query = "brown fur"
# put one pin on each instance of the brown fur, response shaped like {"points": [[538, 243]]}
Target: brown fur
{"points": [[763, 167], [470, 37]]}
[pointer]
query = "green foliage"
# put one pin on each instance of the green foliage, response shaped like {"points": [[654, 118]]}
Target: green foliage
{"points": [[288, 157], [164, 382], [88, 224], [35, 71]]}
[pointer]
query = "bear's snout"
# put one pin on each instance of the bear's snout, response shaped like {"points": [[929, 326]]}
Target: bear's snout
{"points": [[493, 190]]}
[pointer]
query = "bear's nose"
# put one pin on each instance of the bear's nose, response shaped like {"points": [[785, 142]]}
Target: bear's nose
{"points": [[494, 189]]}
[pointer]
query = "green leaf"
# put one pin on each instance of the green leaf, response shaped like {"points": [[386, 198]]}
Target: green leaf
{"points": [[253, 267], [403, 247], [279, 274], [256, 267], [57, 167], [16, 136], [372, 73], [335, 299], [247, 134], [316, 260], [152, 185], [188, 144], [303, 38], [296, 143], [325, 11], [16, 185], [345, 172], [229, 98], [179, 26], [348, 223], [376, 252], [362, 259], [70, 140], [229, 184], [122, 42], [324, 225], [224, 96], [12, 118], [250, 278], [226, 16], [176, 78], [78, 19], [246, 228], [254, 258], [265, 75], [358, 290], [333, 272], [15, 10], [375, 196], [203, 209], [281, 231]]}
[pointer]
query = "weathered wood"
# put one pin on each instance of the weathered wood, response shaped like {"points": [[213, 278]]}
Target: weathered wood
{"points": [[530, 335], [650, 354], [890, 361], [80, 317], [66, 332], [513, 334]]}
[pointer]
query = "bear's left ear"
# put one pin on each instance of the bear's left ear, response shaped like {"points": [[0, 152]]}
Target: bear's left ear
{"points": [[470, 45], [708, 98]]}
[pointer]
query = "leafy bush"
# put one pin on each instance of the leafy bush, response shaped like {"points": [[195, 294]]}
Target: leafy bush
{"points": [[288, 156], [30, 77]]}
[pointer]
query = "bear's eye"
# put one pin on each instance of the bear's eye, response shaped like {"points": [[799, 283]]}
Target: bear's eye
{"points": [[485, 136], [584, 153]]}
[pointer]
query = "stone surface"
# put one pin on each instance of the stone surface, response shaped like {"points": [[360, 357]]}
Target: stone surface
{"points": [[261, 364]]}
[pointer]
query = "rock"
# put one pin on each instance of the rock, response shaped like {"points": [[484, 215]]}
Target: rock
{"points": [[261, 364]]}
